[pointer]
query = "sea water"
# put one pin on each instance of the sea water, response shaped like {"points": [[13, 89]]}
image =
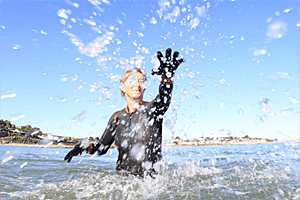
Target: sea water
{"points": [[270, 171]]}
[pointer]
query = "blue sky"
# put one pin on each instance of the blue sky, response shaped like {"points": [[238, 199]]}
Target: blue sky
{"points": [[61, 62]]}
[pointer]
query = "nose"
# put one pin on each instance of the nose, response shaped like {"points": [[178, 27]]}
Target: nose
{"points": [[138, 84]]}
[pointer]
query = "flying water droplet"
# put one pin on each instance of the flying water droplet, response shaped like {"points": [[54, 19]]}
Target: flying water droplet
{"points": [[116, 77], [194, 22], [78, 89], [61, 98], [169, 124], [79, 117], [74, 78], [95, 86], [287, 10], [185, 95], [191, 74], [124, 144], [153, 21], [63, 13], [23, 165], [265, 104], [241, 112], [7, 159], [137, 152], [63, 78], [293, 100], [106, 93], [16, 47]]}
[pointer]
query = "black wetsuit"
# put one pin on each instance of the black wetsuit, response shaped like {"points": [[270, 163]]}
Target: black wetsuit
{"points": [[138, 135]]}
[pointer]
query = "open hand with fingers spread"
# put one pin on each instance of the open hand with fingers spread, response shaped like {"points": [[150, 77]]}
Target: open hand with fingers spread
{"points": [[169, 65]]}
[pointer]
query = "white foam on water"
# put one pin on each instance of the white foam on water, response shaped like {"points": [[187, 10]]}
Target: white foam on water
{"points": [[7, 159], [23, 165]]}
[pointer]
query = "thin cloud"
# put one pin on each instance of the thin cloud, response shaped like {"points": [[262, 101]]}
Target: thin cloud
{"points": [[7, 94], [279, 76]]}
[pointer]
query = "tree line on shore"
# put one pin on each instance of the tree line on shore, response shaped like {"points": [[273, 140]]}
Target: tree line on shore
{"points": [[10, 133], [8, 129]]}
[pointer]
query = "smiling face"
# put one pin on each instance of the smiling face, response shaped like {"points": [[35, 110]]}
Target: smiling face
{"points": [[133, 87]]}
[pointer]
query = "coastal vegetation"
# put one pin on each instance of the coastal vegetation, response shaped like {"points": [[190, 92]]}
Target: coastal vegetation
{"points": [[13, 134], [10, 133], [9, 129]]}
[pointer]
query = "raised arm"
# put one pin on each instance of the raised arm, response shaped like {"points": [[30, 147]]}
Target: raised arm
{"points": [[166, 70]]}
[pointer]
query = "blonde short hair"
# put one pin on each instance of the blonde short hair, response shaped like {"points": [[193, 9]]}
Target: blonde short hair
{"points": [[128, 73]]}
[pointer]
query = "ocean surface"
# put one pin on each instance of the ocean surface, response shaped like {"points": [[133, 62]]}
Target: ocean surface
{"points": [[270, 171]]}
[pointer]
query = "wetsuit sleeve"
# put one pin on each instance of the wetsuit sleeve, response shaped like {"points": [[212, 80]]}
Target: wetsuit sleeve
{"points": [[163, 99], [108, 137]]}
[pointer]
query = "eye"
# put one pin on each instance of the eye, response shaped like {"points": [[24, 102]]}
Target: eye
{"points": [[130, 81]]}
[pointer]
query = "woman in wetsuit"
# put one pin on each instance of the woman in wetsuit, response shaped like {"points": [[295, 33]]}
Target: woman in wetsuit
{"points": [[137, 129]]}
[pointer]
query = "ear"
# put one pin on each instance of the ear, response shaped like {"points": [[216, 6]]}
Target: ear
{"points": [[123, 89]]}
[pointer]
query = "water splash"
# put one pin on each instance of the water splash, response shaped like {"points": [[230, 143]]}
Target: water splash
{"points": [[107, 93], [61, 98], [191, 74], [185, 95], [276, 30], [64, 13], [16, 47], [137, 152], [7, 159], [294, 100], [95, 86], [265, 105], [80, 117], [23, 165], [63, 78], [187, 172]]}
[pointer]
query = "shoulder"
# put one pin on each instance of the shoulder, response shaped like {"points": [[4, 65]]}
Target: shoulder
{"points": [[119, 113], [148, 103]]}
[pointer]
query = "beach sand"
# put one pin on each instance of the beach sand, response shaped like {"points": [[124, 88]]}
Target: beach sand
{"points": [[37, 145]]}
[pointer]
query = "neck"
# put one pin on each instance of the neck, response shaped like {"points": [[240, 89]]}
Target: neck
{"points": [[133, 104]]}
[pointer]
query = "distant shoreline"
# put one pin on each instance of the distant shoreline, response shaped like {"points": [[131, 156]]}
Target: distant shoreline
{"points": [[164, 145], [236, 144], [37, 145]]}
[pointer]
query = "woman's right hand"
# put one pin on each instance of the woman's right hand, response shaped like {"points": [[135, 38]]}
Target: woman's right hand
{"points": [[77, 150]]}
